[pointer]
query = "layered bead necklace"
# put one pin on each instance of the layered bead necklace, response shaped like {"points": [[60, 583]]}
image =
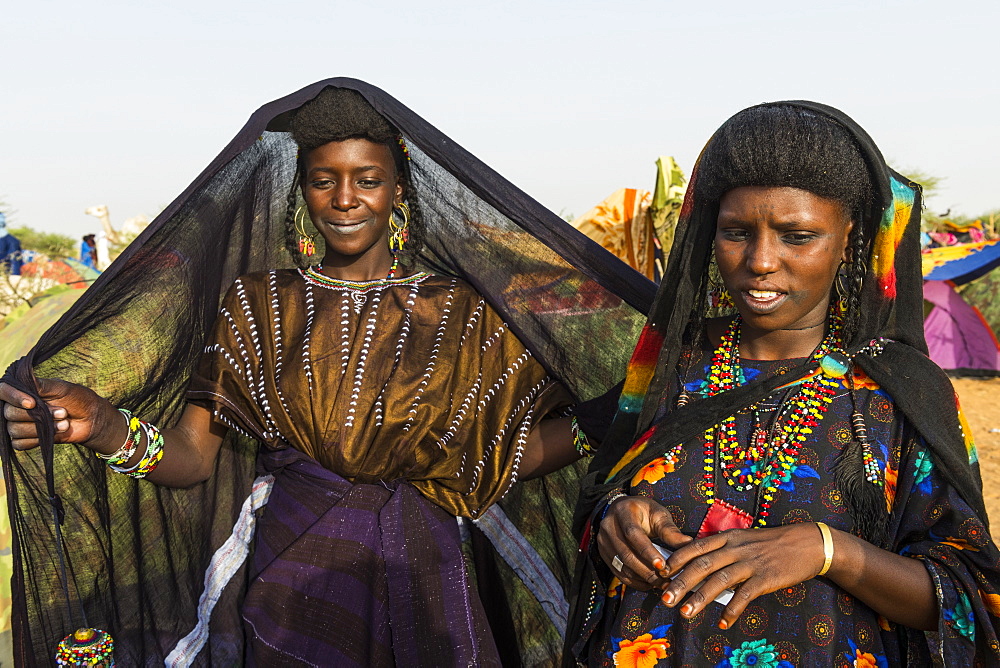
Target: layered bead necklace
{"points": [[359, 289], [769, 457]]}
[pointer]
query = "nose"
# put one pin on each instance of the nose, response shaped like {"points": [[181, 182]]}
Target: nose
{"points": [[763, 255], [345, 197]]}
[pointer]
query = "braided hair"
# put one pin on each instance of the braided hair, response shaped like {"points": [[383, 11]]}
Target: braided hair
{"points": [[338, 114]]}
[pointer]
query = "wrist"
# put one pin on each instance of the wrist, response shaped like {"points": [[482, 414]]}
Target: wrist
{"points": [[844, 567], [109, 429], [828, 548]]}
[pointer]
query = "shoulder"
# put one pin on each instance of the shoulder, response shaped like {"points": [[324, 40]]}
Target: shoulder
{"points": [[260, 282], [455, 290]]}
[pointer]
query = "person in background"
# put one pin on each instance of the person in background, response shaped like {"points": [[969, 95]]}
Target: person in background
{"points": [[88, 251], [10, 249]]}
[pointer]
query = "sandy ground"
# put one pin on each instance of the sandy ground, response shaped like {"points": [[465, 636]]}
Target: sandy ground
{"points": [[981, 403]]}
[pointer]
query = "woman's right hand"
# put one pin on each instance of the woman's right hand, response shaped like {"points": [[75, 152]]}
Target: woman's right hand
{"points": [[627, 532], [78, 413]]}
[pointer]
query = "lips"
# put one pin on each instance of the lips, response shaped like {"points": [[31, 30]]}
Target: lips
{"points": [[346, 226], [763, 301]]}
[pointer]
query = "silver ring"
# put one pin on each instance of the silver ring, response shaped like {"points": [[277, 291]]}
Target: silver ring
{"points": [[617, 564]]}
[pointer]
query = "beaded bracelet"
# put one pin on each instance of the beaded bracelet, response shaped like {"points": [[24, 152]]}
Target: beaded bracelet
{"points": [[580, 441], [612, 497], [152, 457], [124, 453]]}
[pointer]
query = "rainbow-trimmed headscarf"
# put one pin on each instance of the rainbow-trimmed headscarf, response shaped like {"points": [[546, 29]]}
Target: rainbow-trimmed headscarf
{"points": [[891, 308]]}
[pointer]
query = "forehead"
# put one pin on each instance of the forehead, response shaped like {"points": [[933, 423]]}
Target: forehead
{"points": [[768, 203], [350, 154]]}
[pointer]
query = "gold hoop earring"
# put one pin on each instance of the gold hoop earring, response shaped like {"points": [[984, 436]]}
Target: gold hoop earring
{"points": [[399, 233], [840, 287], [307, 242]]}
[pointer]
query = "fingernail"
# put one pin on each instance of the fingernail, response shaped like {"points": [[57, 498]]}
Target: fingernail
{"points": [[723, 624], [687, 609], [669, 598], [62, 425], [659, 564], [59, 412]]}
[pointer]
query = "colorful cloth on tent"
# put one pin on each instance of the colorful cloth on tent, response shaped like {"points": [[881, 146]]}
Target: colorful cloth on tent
{"points": [[888, 346], [958, 338], [623, 225], [962, 263], [814, 623], [637, 226], [137, 553]]}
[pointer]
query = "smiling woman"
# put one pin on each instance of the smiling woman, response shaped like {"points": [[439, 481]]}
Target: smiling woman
{"points": [[785, 485], [328, 459], [351, 188]]}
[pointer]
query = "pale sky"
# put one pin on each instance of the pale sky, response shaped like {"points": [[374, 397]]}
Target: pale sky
{"points": [[124, 103]]}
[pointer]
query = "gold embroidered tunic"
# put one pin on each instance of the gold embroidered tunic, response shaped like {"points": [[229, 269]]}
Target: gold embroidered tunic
{"points": [[416, 379]]}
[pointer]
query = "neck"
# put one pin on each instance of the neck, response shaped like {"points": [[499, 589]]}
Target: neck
{"points": [[780, 344], [357, 269]]}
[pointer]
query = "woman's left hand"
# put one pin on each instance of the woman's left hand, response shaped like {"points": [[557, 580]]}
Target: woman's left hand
{"points": [[751, 562]]}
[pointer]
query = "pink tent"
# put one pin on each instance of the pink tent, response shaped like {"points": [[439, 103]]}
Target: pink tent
{"points": [[958, 338]]}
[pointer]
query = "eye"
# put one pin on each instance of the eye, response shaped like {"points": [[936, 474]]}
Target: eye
{"points": [[799, 238], [321, 183], [370, 184], [734, 234]]}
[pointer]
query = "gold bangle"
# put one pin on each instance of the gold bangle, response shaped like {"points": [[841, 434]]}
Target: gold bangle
{"points": [[827, 547]]}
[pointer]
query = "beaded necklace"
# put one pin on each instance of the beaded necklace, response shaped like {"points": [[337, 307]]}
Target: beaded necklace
{"points": [[359, 289], [769, 457]]}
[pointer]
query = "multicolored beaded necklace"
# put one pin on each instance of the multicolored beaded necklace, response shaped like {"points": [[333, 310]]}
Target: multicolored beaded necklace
{"points": [[769, 457], [359, 289]]}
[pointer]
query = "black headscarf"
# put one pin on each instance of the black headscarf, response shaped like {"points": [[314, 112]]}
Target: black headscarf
{"points": [[890, 315], [135, 553]]}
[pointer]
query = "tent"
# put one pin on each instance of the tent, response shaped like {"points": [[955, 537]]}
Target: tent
{"points": [[959, 339]]}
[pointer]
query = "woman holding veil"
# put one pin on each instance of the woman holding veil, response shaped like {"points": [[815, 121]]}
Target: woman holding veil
{"points": [[327, 430]]}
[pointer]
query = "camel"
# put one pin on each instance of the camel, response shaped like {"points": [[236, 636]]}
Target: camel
{"points": [[100, 212], [130, 228]]}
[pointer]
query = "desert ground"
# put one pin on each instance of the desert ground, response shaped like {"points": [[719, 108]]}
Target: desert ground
{"points": [[981, 403]]}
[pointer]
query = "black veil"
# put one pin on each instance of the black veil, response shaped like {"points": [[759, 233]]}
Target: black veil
{"points": [[134, 554]]}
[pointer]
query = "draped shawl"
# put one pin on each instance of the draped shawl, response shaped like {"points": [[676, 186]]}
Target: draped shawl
{"points": [[134, 553], [888, 345], [891, 310]]}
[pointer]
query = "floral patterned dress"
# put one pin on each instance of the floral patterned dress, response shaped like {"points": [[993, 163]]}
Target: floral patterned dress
{"points": [[815, 623]]}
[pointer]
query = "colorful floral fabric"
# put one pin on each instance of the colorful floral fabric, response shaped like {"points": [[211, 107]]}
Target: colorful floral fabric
{"points": [[814, 623]]}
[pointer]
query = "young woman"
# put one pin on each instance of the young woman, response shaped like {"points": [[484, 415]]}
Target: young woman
{"points": [[789, 484], [385, 401]]}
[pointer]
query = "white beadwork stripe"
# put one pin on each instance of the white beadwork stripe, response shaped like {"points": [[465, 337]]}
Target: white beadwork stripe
{"points": [[438, 338], [473, 320], [226, 561], [359, 373], [524, 404], [495, 336], [272, 285], [310, 314]]}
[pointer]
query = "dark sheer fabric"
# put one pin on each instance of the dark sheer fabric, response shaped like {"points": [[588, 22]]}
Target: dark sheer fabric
{"points": [[134, 554]]}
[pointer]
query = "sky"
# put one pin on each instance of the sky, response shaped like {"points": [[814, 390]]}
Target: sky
{"points": [[124, 103]]}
